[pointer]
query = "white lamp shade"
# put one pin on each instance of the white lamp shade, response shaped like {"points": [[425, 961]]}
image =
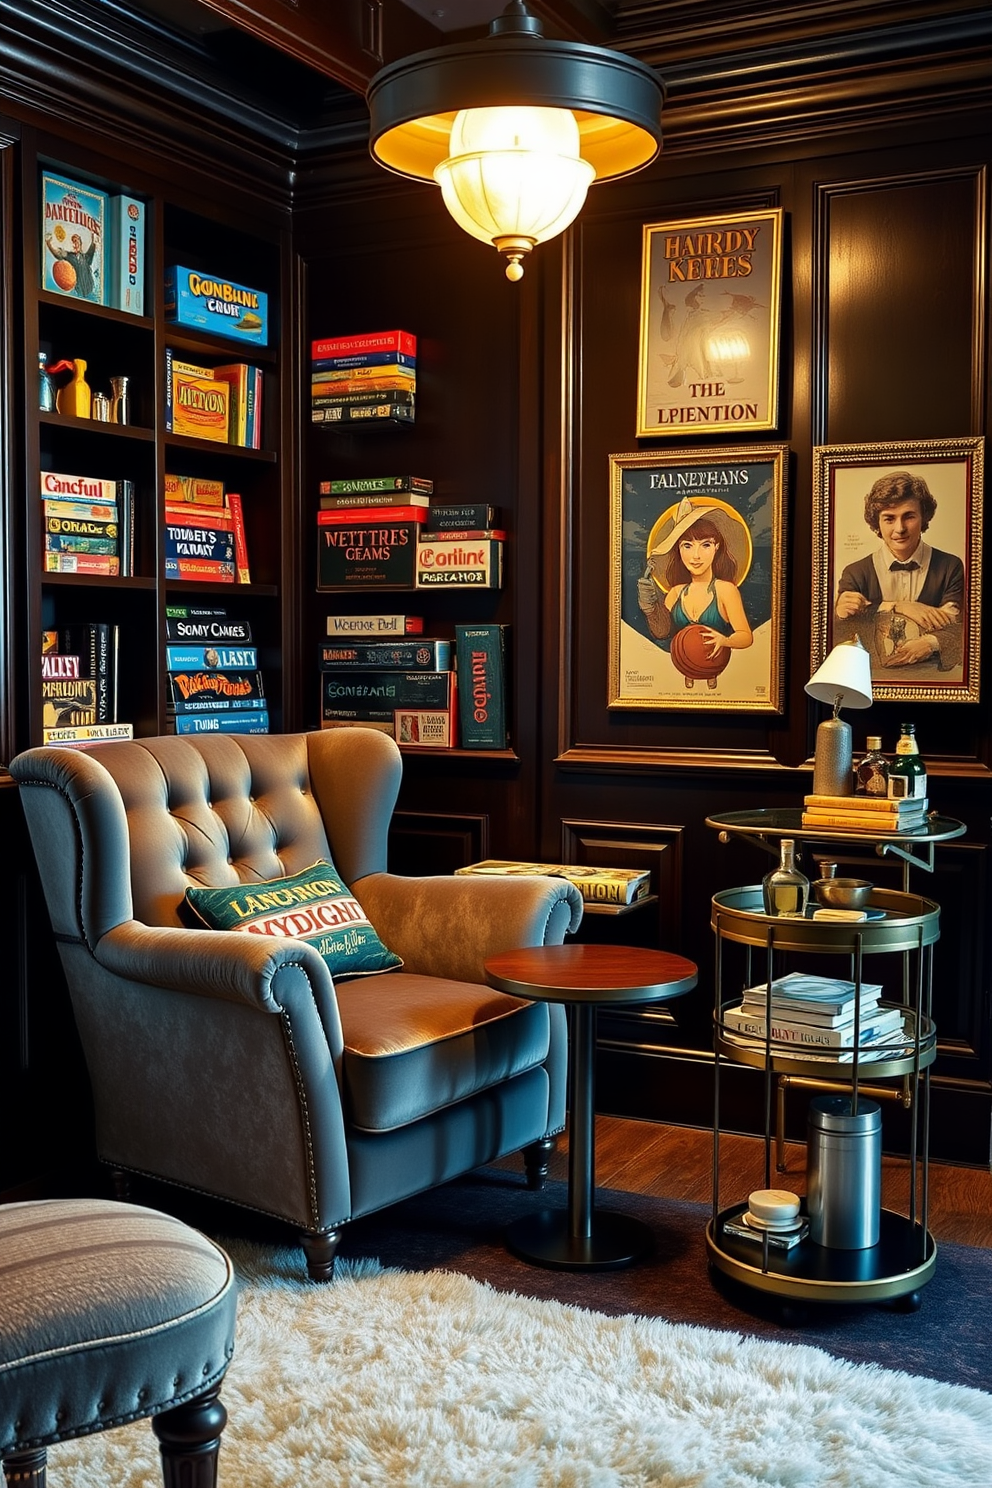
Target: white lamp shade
{"points": [[514, 173], [844, 678]]}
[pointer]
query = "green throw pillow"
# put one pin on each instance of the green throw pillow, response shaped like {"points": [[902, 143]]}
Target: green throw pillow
{"points": [[314, 906]]}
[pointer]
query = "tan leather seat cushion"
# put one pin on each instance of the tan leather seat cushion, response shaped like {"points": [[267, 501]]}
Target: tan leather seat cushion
{"points": [[414, 1044]]}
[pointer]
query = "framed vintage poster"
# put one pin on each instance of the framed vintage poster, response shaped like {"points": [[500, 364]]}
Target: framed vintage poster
{"points": [[897, 560], [711, 292], [697, 558]]}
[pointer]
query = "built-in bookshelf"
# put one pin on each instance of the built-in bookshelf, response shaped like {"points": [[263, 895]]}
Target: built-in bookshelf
{"points": [[143, 451]]}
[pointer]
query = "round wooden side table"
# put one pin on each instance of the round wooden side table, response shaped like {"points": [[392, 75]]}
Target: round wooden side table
{"points": [[585, 977]]}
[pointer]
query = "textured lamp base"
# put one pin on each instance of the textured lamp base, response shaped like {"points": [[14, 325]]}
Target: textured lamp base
{"points": [[833, 761]]}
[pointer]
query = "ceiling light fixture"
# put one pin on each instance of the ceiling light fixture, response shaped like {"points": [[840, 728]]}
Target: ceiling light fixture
{"points": [[514, 128]]}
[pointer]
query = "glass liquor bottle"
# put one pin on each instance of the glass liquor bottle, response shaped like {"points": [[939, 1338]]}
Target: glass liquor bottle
{"points": [[907, 772], [873, 771], [785, 889]]}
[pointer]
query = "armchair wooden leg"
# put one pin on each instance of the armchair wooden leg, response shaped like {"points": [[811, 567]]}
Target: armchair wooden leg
{"points": [[26, 1469], [537, 1160], [190, 1440], [320, 1251]]}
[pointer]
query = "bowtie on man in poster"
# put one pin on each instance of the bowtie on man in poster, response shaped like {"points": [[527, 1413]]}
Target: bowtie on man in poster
{"points": [[906, 599]]}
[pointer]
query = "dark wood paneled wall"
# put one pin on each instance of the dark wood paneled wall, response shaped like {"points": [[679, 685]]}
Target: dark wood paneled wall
{"points": [[884, 338]]}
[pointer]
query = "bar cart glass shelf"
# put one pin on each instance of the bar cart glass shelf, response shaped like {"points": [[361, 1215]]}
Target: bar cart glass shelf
{"points": [[905, 1256]]}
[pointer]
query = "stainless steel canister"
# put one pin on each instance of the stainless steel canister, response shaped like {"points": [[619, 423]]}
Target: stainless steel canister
{"points": [[844, 1172]]}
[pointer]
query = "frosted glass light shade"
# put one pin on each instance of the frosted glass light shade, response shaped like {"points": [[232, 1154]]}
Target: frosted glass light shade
{"points": [[611, 100], [514, 176]]}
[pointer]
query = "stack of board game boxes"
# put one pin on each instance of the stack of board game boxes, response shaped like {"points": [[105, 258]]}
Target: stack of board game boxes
{"points": [[214, 682], [222, 403], [92, 244], [388, 532], [79, 685], [204, 531], [88, 524], [364, 379]]}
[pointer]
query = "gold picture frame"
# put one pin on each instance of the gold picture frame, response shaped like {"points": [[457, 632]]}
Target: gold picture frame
{"points": [[697, 587], [920, 621], [710, 326]]}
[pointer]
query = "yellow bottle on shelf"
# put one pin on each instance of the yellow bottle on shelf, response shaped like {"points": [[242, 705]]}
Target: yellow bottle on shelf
{"points": [[75, 398]]}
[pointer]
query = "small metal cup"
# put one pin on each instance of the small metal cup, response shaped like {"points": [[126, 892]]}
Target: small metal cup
{"points": [[101, 408]]}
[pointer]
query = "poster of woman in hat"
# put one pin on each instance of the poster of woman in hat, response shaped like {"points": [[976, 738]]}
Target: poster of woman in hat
{"points": [[696, 603]]}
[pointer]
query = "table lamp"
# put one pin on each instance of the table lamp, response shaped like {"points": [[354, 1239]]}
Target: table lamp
{"points": [[844, 681]]}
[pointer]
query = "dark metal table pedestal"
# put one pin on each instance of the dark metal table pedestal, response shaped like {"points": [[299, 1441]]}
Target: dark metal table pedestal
{"points": [[582, 1237]]}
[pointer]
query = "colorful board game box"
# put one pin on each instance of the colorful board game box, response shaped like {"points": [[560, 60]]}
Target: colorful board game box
{"points": [[208, 303], [73, 239], [126, 272]]}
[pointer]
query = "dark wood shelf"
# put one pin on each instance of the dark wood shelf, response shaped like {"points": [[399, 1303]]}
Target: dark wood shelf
{"points": [[97, 426], [219, 447], [98, 581], [206, 586], [101, 312], [205, 344]]}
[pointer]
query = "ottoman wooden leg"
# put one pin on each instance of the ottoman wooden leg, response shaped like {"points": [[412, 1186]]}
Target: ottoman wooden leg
{"points": [[190, 1440], [26, 1469]]}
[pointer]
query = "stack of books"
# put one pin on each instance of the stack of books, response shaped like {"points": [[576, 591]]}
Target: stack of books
{"points": [[205, 540], [596, 885], [223, 404], [79, 685], [814, 1016], [88, 524], [405, 687], [873, 814], [214, 683], [364, 379]]}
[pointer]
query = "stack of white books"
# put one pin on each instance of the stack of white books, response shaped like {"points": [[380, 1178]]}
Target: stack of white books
{"points": [[816, 1016]]}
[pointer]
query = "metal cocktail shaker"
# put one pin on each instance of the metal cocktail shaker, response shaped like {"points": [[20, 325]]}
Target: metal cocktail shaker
{"points": [[121, 405]]}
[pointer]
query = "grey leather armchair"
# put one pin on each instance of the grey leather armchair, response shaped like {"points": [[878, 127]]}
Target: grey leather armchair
{"points": [[235, 1064]]}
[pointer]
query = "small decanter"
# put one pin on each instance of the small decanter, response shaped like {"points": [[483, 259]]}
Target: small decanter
{"points": [[75, 398], [785, 889], [873, 770]]}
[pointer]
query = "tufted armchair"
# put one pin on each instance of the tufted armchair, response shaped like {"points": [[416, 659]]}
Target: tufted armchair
{"points": [[235, 1064]]}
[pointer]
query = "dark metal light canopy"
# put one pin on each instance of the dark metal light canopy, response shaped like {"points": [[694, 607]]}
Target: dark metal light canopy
{"points": [[607, 124]]}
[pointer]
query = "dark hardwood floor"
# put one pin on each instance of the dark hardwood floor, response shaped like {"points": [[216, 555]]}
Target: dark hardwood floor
{"points": [[677, 1162]]}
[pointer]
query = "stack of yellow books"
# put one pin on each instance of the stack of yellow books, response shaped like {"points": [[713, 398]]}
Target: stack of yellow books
{"points": [[865, 813]]}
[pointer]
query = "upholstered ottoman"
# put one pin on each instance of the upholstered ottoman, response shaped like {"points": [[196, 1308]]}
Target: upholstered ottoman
{"points": [[108, 1313]]}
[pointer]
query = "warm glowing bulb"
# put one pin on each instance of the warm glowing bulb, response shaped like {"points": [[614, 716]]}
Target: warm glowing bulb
{"points": [[514, 176], [728, 346]]}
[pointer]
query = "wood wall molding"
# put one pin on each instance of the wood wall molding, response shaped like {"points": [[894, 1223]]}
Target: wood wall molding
{"points": [[429, 842], [643, 846], [86, 66], [637, 759]]}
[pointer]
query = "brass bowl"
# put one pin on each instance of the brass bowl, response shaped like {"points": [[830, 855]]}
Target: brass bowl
{"points": [[843, 893]]}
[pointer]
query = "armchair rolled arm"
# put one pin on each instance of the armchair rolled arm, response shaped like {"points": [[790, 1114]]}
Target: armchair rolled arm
{"points": [[212, 963], [447, 927]]}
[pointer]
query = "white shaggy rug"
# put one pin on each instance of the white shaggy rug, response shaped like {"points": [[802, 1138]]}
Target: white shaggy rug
{"points": [[389, 1379]]}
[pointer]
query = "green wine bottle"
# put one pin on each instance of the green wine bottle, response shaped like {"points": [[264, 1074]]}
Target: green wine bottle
{"points": [[907, 772]]}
